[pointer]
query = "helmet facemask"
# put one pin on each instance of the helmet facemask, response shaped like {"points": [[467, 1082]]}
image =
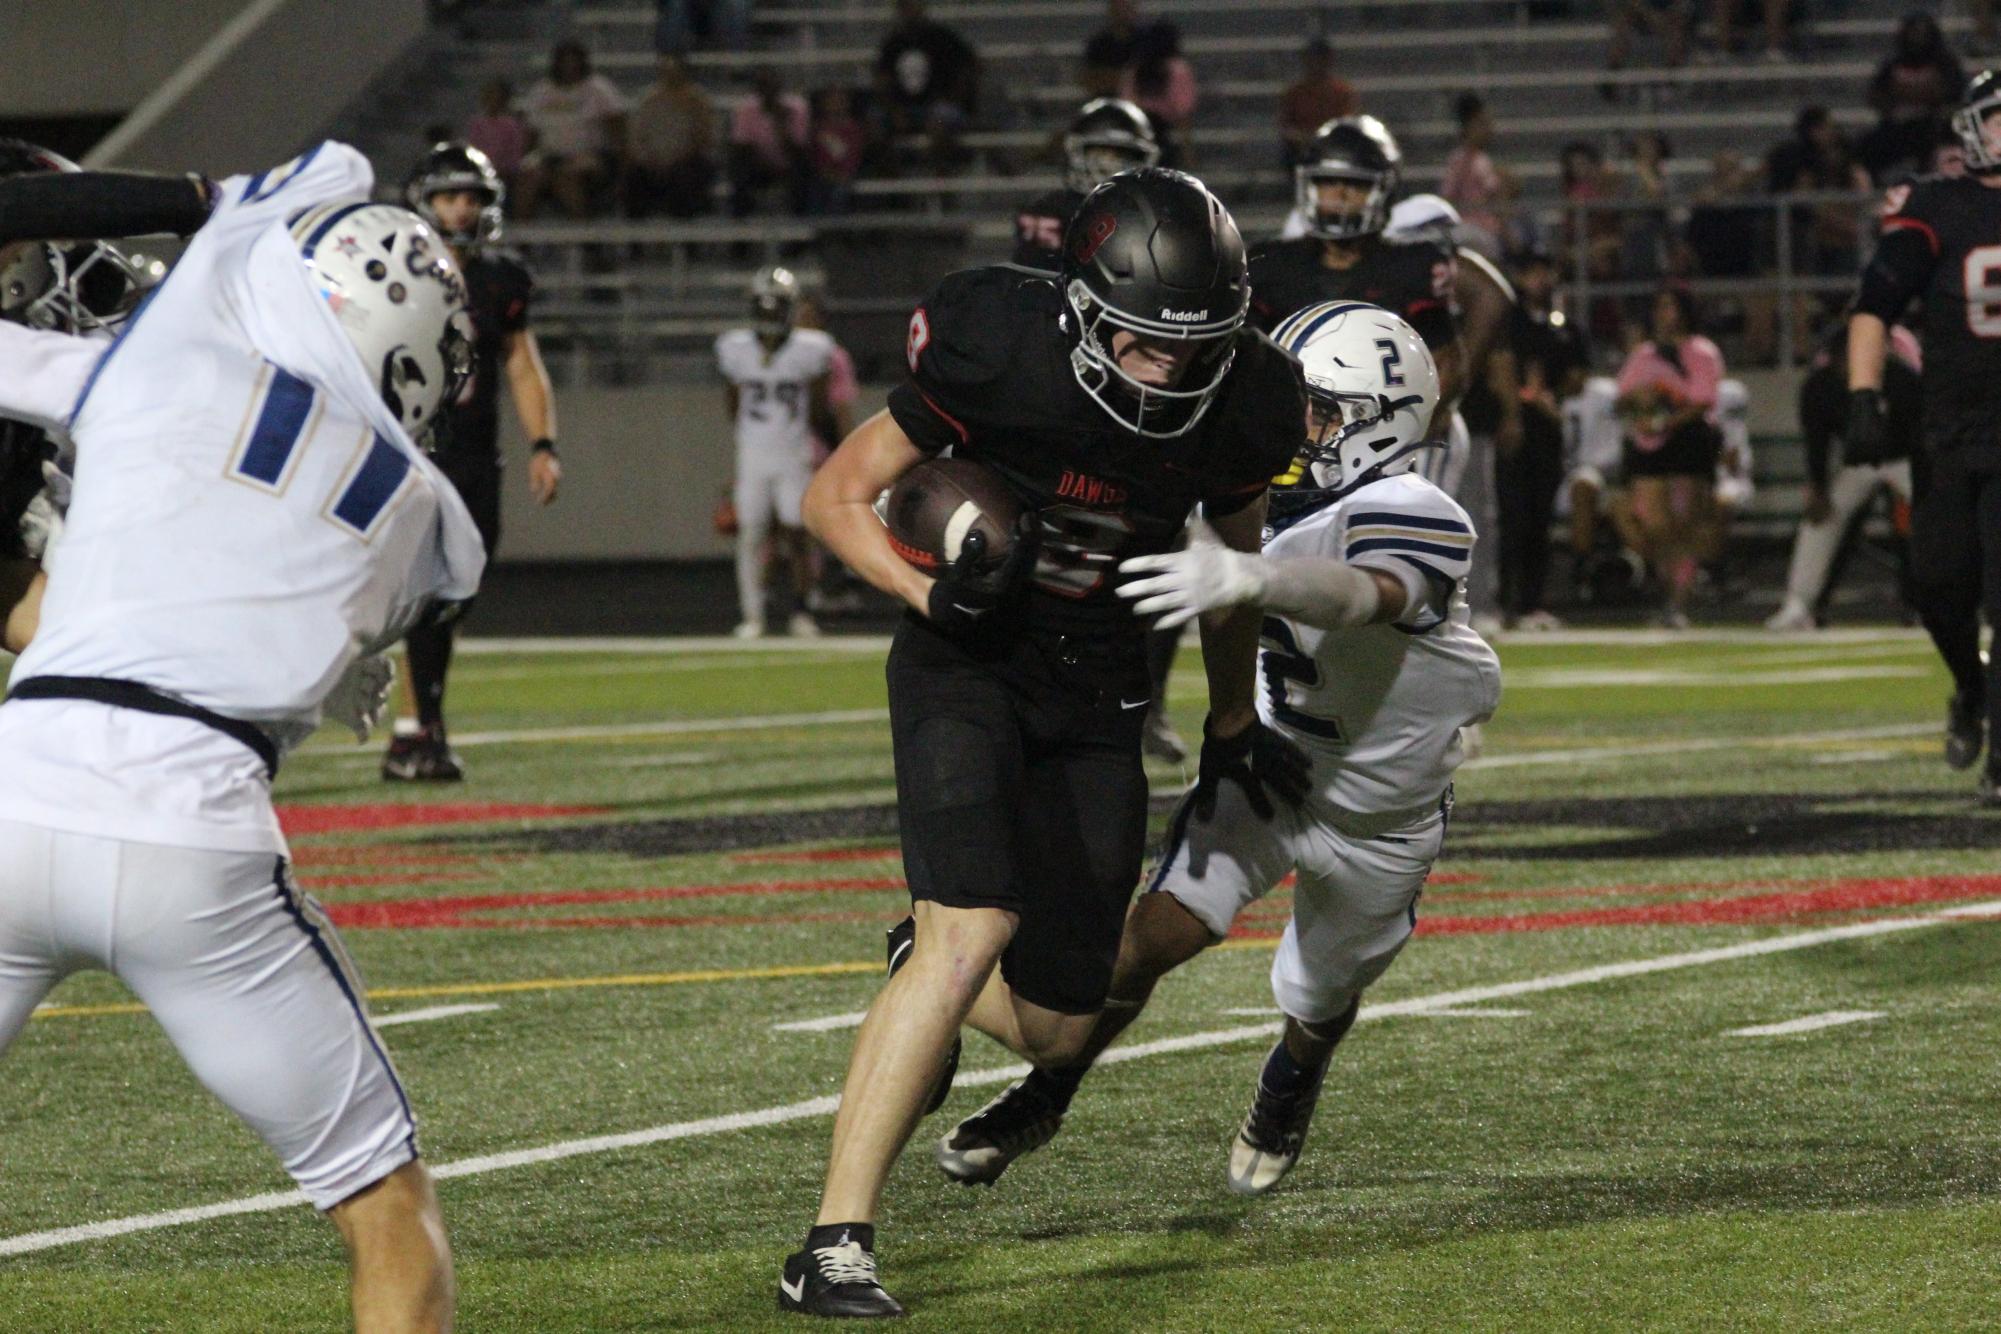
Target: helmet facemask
{"points": [[1978, 125], [72, 288], [1156, 411], [1351, 434], [1094, 158], [1368, 220]]}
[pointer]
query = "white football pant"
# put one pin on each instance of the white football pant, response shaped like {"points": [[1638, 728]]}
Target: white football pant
{"points": [[765, 489], [1814, 547]]}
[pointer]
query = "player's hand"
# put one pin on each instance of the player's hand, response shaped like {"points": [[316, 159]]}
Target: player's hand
{"points": [[41, 524], [1867, 439], [977, 583], [1201, 577], [360, 697], [545, 475], [1258, 760]]}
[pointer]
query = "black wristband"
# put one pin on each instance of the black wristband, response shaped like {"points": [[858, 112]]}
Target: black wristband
{"points": [[544, 446]]}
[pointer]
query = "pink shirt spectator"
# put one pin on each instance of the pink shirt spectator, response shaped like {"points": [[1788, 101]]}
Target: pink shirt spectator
{"points": [[1693, 380], [573, 119], [843, 388], [1174, 102], [503, 138], [1472, 183], [753, 126]]}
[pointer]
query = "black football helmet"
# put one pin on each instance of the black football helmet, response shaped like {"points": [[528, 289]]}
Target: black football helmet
{"points": [[1154, 253], [1981, 100], [1109, 135], [774, 301], [1358, 149], [458, 166], [69, 287]]}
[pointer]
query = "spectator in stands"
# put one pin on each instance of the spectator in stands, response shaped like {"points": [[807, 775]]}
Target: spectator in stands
{"points": [[1915, 88], [1162, 83], [1667, 402], [1825, 235], [1643, 251], [1316, 97], [1598, 232], [1549, 360], [577, 120], [1115, 49], [1777, 16], [927, 81], [1729, 239], [770, 144], [498, 130], [838, 143], [727, 22], [1667, 20], [670, 147], [1472, 183]]}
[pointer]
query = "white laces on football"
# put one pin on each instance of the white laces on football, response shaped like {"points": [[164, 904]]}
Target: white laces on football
{"points": [[846, 1263]]}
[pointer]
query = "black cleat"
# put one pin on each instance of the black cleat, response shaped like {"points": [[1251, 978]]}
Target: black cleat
{"points": [[837, 1280], [422, 757], [902, 937], [1021, 1120], [1965, 729], [1272, 1136]]}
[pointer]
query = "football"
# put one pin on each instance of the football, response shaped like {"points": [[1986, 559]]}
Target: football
{"points": [[938, 505]]}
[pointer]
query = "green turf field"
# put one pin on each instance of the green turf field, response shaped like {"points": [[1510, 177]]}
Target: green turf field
{"points": [[1546, 1121]]}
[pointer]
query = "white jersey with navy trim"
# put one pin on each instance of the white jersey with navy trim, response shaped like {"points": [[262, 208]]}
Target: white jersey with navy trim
{"points": [[1735, 470], [1379, 707], [248, 518], [774, 391]]}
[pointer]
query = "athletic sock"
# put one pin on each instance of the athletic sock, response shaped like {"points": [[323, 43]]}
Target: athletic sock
{"points": [[430, 660], [837, 1234], [1058, 1086], [1285, 1076]]}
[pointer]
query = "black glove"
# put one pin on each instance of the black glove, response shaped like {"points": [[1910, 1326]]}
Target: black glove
{"points": [[1867, 439], [976, 583], [1256, 759]]}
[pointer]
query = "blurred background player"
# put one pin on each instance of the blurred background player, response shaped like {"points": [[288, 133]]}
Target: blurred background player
{"points": [[777, 397], [1938, 243], [1108, 136], [1375, 671], [457, 191], [835, 588], [1838, 491], [1547, 361]]}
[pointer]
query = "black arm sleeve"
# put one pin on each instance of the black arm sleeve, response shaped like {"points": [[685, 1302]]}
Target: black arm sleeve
{"points": [[101, 205], [1898, 270]]}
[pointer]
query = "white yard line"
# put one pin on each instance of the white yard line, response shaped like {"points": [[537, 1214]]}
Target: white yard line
{"points": [[666, 727], [28, 1242], [827, 1023], [1697, 745], [1806, 1024], [428, 1013], [673, 644], [1595, 678], [1455, 1012]]}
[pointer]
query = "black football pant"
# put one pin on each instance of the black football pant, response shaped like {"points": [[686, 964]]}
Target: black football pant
{"points": [[1956, 570], [1525, 483], [477, 480], [1019, 786]]}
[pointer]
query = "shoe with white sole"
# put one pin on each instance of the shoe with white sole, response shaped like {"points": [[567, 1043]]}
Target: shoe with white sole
{"points": [[837, 1280], [1273, 1134], [1021, 1120]]}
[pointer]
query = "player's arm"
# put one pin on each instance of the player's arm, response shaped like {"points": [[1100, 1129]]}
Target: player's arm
{"points": [[535, 405], [1230, 631], [21, 584], [840, 507], [95, 204], [1315, 590], [1899, 269]]}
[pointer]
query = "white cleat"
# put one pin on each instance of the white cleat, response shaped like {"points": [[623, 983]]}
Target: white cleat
{"points": [[748, 630], [1791, 618], [802, 626]]}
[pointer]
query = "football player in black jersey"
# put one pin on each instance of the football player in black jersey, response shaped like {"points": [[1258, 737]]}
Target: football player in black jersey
{"points": [[1112, 398], [1346, 182], [458, 192], [1108, 136], [1941, 244]]}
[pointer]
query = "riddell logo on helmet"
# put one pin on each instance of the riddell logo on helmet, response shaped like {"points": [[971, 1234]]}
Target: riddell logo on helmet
{"points": [[1185, 316]]}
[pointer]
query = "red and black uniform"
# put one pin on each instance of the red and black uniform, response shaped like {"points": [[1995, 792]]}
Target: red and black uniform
{"points": [[1038, 228], [1413, 279], [1019, 782], [1940, 245], [467, 449]]}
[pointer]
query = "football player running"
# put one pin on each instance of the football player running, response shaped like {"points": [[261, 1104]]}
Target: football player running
{"points": [[777, 398], [1108, 136], [251, 525], [1941, 241], [458, 192], [1111, 399], [1369, 665]]}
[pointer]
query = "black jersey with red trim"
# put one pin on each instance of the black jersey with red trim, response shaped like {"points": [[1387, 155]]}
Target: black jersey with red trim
{"points": [[1940, 244], [1413, 278], [498, 292], [1038, 228], [991, 379]]}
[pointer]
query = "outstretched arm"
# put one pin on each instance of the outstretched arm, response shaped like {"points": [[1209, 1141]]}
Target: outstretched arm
{"points": [[92, 205]]}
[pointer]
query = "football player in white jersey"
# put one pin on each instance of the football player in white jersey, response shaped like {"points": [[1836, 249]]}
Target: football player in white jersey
{"points": [[777, 374], [251, 525], [1370, 667]]}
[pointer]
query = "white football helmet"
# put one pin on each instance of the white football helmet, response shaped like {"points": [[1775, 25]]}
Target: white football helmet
{"points": [[399, 298], [1371, 387]]}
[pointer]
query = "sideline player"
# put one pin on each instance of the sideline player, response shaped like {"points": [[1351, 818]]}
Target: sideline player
{"points": [[1941, 241], [250, 519], [777, 396], [1112, 400], [1371, 667], [1107, 136], [458, 192]]}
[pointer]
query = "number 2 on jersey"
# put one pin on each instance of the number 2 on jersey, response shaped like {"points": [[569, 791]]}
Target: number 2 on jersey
{"points": [[283, 421], [1282, 665]]}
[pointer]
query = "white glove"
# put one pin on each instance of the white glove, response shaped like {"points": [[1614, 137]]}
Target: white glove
{"points": [[58, 483], [359, 698], [1186, 583], [41, 524]]}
